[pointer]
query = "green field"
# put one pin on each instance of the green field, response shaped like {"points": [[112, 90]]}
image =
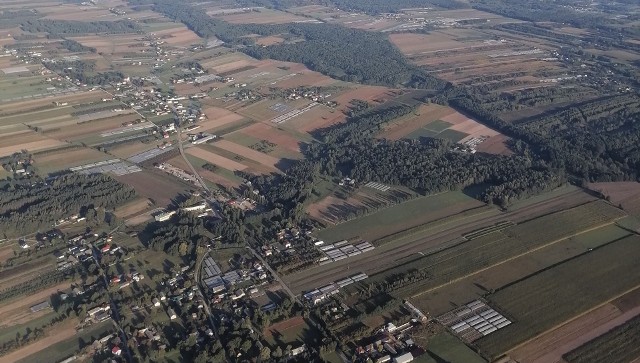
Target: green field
{"points": [[619, 345], [458, 261], [67, 348], [438, 125], [554, 295], [398, 217], [444, 347]]}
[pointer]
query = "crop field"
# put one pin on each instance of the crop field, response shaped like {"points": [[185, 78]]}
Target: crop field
{"points": [[56, 160], [388, 220], [546, 299], [444, 122], [274, 141], [30, 141], [66, 348], [444, 232], [619, 345], [438, 300], [261, 16], [446, 347], [160, 187], [467, 257], [18, 312]]}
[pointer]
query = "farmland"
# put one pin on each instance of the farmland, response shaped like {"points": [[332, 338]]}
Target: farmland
{"points": [[552, 293], [433, 236], [256, 181], [617, 345]]}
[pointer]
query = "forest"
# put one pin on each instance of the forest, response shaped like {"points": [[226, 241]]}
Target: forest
{"points": [[78, 27], [38, 207], [348, 54]]}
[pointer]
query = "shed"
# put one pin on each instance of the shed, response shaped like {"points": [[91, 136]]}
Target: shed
{"points": [[405, 358]]}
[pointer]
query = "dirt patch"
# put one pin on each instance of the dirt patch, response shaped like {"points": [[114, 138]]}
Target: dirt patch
{"points": [[216, 159], [55, 334]]}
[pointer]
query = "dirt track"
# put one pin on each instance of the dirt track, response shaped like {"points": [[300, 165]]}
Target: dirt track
{"points": [[391, 254]]}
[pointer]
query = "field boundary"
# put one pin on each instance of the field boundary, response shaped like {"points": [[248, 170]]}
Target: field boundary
{"points": [[514, 257]]}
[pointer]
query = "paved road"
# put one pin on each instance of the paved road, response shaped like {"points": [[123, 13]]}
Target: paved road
{"points": [[114, 307], [193, 170], [206, 302]]}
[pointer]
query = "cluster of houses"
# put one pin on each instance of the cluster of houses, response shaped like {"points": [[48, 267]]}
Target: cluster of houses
{"points": [[223, 285], [391, 344]]}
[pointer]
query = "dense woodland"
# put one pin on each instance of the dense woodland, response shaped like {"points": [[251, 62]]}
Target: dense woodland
{"points": [[344, 53], [78, 27], [24, 209]]}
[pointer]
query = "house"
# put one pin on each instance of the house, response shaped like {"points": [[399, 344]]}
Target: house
{"points": [[155, 302], [299, 350], [172, 314], [116, 350]]}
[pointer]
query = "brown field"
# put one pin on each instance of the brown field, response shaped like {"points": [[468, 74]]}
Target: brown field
{"points": [[626, 194], [5, 253], [263, 131], [156, 185], [24, 272], [249, 153], [217, 117], [269, 40], [306, 78], [27, 141], [392, 253], [263, 16], [495, 145], [365, 93], [111, 44], [93, 127], [237, 64], [411, 44], [18, 312], [75, 98], [58, 160], [277, 328], [56, 334], [317, 118], [550, 346], [469, 126], [180, 36], [136, 206], [215, 159]]}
